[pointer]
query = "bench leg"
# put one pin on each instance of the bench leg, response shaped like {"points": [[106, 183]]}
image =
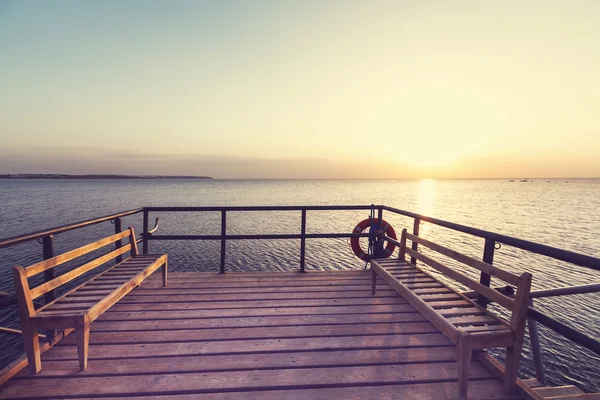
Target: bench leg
{"points": [[32, 349], [373, 281], [165, 272], [511, 369], [83, 340], [463, 354]]}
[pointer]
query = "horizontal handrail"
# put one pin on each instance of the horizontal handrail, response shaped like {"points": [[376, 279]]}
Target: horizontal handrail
{"points": [[565, 291], [64, 228], [16, 332], [256, 237], [568, 332], [262, 208], [553, 252]]}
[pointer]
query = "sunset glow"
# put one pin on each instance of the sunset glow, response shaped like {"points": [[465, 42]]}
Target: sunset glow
{"points": [[286, 89]]}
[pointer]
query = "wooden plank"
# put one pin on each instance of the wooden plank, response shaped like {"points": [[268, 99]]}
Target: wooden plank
{"points": [[245, 346], [71, 255], [419, 279], [133, 323], [453, 312], [202, 286], [68, 306], [160, 297], [72, 291], [215, 313], [440, 290], [558, 391], [441, 305], [583, 396], [278, 274], [74, 273], [207, 363], [211, 309], [485, 328], [246, 380], [187, 303], [154, 283], [133, 241], [103, 283], [267, 277], [143, 293], [478, 390], [517, 325], [245, 291], [491, 339], [26, 311], [258, 278], [465, 280], [440, 322], [128, 303], [436, 297], [116, 275], [408, 275], [470, 261], [99, 308], [430, 285], [277, 332], [476, 320]]}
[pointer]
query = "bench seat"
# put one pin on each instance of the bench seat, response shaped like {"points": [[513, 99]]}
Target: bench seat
{"points": [[80, 306], [467, 324]]}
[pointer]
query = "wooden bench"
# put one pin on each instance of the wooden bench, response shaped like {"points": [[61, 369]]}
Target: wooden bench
{"points": [[463, 321], [79, 307]]}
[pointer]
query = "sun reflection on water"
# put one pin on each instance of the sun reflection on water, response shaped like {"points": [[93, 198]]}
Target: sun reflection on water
{"points": [[426, 202]]}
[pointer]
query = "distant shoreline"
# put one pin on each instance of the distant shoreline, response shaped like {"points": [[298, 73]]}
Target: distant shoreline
{"points": [[98, 176]]}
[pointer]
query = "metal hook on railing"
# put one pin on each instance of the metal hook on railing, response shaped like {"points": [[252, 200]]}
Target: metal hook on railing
{"points": [[497, 245], [40, 240], [421, 222], [151, 231]]}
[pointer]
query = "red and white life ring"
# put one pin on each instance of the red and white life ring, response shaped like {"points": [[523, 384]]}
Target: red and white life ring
{"points": [[364, 224]]}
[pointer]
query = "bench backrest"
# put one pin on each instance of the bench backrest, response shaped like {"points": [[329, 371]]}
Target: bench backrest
{"points": [[26, 295], [517, 306]]}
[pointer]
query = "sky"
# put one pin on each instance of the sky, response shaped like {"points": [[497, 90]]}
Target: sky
{"points": [[301, 89]]}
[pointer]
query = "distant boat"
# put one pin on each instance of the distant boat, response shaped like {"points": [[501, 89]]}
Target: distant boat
{"points": [[524, 180], [512, 180]]}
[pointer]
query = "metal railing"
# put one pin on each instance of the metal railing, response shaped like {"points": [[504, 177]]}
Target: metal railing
{"points": [[223, 237], [492, 239]]}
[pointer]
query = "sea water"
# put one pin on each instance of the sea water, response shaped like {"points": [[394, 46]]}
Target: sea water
{"points": [[556, 212]]}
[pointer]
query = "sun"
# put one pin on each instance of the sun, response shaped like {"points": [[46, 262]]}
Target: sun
{"points": [[433, 158]]}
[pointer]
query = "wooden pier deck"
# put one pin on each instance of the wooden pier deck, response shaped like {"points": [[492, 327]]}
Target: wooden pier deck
{"points": [[319, 335]]}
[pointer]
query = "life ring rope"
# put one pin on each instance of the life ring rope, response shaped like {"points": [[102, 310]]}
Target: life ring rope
{"points": [[364, 224]]}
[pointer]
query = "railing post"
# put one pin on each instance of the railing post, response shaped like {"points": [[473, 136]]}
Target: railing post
{"points": [[378, 250], [145, 234], [535, 348], [48, 252], [223, 239], [485, 279], [303, 241], [415, 245], [402, 249], [118, 243]]}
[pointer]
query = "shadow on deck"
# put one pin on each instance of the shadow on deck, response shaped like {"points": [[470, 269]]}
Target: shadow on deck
{"points": [[320, 335]]}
